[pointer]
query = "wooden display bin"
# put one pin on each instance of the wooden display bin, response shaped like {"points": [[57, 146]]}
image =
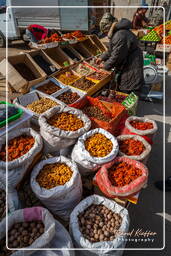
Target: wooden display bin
{"points": [[15, 78], [98, 43], [71, 52], [91, 47], [81, 50], [58, 56]]}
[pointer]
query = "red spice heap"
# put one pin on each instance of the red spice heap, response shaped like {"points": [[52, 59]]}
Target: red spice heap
{"points": [[122, 173], [17, 147], [131, 147], [141, 125]]}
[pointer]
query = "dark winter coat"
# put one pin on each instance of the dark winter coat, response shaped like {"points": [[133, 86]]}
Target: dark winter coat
{"points": [[125, 56]]}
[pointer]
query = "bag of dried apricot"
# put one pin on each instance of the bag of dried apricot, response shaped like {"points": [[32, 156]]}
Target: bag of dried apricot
{"points": [[93, 149], [23, 147], [57, 183], [122, 177], [61, 126]]}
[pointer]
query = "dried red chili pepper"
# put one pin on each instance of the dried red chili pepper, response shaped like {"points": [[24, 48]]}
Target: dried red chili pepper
{"points": [[122, 173], [141, 125], [131, 147]]}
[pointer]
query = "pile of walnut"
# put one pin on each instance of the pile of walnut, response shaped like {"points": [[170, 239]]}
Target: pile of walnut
{"points": [[2, 203], [21, 235], [98, 223]]}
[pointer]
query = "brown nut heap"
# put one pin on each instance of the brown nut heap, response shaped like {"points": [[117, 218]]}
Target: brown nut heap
{"points": [[68, 97], [98, 223], [93, 111], [66, 121], [21, 235], [53, 175], [83, 84], [42, 105], [49, 88], [2, 203], [98, 145]]}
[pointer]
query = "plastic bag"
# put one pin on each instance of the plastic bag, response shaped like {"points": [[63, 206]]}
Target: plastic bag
{"points": [[84, 160], [143, 157], [146, 134], [55, 235], [56, 139], [103, 182], [61, 199], [101, 248], [18, 167]]}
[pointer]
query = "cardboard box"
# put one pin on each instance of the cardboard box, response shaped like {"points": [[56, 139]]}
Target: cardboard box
{"points": [[15, 79]]}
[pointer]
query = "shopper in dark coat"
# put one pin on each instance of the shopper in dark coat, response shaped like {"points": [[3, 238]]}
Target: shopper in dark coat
{"points": [[125, 56]]}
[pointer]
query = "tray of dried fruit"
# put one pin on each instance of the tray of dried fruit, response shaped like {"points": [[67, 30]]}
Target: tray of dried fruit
{"points": [[36, 102], [67, 76]]}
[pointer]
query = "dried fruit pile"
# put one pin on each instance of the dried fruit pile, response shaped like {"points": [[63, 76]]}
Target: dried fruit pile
{"points": [[98, 145], [131, 147], [53, 175], [83, 70], [53, 38], [141, 125], [67, 78], [42, 105], [21, 235], [98, 223], [66, 121], [122, 174], [68, 97], [93, 111], [17, 147], [79, 35], [49, 88], [97, 76], [2, 203], [83, 84]]}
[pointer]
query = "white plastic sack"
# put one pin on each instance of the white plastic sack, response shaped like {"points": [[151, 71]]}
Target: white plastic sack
{"points": [[149, 132], [61, 200], [55, 235], [18, 167], [100, 248], [56, 139], [84, 160], [145, 154]]}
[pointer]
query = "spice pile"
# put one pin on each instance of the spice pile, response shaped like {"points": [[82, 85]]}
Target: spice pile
{"points": [[25, 71], [122, 174], [53, 175], [98, 145], [21, 235], [42, 105], [141, 125], [68, 97], [83, 84], [97, 76], [93, 111], [131, 147], [49, 88], [17, 147], [67, 78], [66, 121], [2, 203], [98, 223]]}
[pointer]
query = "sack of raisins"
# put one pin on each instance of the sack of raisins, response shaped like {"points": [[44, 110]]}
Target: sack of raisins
{"points": [[40, 230], [96, 223], [134, 147], [23, 147], [90, 153], [61, 126], [63, 190]]}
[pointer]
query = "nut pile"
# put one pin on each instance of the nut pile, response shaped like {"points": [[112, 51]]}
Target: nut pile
{"points": [[98, 145], [93, 111], [2, 203], [66, 121], [131, 147], [122, 174], [22, 235], [83, 84], [42, 105], [17, 147], [68, 97], [49, 88], [67, 78], [53, 175], [141, 125], [98, 223]]}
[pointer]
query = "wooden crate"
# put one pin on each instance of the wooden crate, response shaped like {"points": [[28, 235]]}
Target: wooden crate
{"points": [[91, 47], [98, 43], [81, 50], [63, 47]]}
